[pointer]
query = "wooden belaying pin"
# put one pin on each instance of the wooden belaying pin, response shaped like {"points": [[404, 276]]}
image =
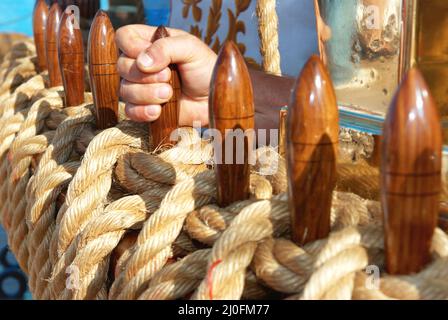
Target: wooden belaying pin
{"points": [[51, 45], [282, 132], [40, 16], [443, 217], [312, 149], [104, 78], [231, 112], [71, 59], [168, 121], [410, 175]]}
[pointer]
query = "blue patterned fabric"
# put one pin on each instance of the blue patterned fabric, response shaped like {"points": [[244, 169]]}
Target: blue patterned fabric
{"points": [[157, 12], [13, 282]]}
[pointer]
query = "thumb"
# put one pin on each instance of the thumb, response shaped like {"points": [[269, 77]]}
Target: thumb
{"points": [[181, 50], [133, 39]]}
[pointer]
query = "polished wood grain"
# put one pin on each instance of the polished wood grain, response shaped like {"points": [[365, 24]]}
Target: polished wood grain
{"points": [[282, 132], [443, 216], [87, 8], [168, 121], [40, 17], [51, 45], [104, 78], [312, 149], [410, 175], [71, 59], [231, 107]]}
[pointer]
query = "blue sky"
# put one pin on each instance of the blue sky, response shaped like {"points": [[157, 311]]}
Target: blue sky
{"points": [[16, 15]]}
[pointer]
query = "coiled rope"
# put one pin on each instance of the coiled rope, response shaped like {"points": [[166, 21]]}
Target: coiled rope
{"points": [[86, 189]]}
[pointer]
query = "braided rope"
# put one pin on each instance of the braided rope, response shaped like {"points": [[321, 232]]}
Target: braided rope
{"points": [[173, 206], [95, 177], [55, 171], [11, 121], [152, 197], [153, 247], [90, 251], [233, 251], [21, 96], [15, 75], [19, 49], [159, 174], [87, 193], [25, 149], [26, 146], [359, 178], [40, 233], [46, 187], [23, 153], [268, 34], [325, 269]]}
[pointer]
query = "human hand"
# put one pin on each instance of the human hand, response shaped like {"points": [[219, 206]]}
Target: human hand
{"points": [[144, 69]]}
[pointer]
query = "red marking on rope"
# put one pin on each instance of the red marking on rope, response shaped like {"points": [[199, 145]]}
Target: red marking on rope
{"points": [[14, 176], [210, 277]]}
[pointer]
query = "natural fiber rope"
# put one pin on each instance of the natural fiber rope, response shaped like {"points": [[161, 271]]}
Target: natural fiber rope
{"points": [[45, 188], [19, 49], [234, 250], [90, 251], [41, 117], [22, 156], [94, 276], [160, 177], [26, 145], [13, 116], [179, 279], [268, 35], [18, 65], [325, 269], [27, 91], [330, 274], [88, 191], [55, 170], [359, 178], [15, 75], [151, 252], [248, 254]]}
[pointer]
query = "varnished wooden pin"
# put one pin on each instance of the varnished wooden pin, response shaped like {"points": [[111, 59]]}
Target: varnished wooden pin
{"points": [[104, 78], [410, 175], [231, 107], [40, 17], [443, 216], [87, 8], [312, 148], [168, 121], [282, 132], [51, 45], [71, 59]]}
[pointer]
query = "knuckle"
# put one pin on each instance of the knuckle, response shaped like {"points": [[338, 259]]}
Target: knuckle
{"points": [[124, 89]]}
